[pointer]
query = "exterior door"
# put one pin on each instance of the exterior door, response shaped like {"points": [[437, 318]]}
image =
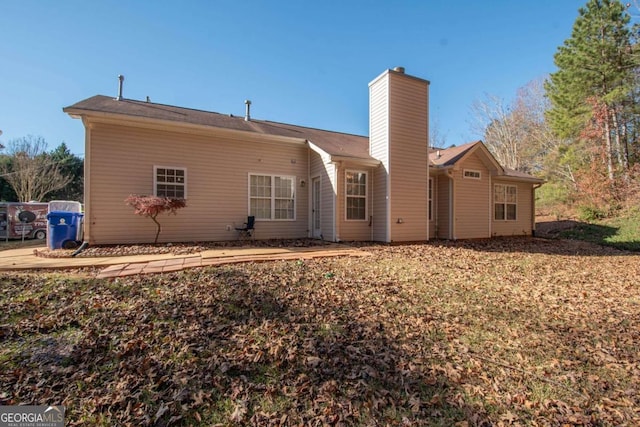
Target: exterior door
{"points": [[315, 208]]}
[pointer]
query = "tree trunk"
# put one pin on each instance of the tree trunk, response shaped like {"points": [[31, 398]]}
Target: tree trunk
{"points": [[623, 144], [158, 229], [619, 148], [608, 145]]}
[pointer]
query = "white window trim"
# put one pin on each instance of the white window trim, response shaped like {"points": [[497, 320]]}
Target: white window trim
{"points": [[155, 177], [273, 197], [365, 197], [505, 204], [472, 171]]}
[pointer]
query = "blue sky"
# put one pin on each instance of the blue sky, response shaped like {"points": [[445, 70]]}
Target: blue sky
{"points": [[300, 62]]}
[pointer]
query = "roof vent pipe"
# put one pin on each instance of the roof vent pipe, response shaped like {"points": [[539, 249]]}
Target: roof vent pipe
{"points": [[121, 80], [399, 70], [247, 115]]}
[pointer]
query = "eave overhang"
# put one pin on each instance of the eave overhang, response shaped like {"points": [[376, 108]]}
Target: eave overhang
{"points": [[90, 116]]}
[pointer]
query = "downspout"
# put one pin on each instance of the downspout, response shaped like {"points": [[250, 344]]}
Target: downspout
{"points": [[310, 196], [388, 206], [434, 208], [432, 193], [372, 205], [87, 182], [533, 208], [335, 201], [452, 205], [82, 247], [490, 204]]}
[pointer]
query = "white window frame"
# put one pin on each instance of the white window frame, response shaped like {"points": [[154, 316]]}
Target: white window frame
{"points": [[472, 173], [505, 202], [174, 168], [272, 196], [365, 196]]}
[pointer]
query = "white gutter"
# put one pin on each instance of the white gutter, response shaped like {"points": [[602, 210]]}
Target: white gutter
{"points": [[356, 160], [520, 179]]}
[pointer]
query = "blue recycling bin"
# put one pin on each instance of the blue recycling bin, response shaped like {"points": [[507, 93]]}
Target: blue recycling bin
{"points": [[64, 229]]}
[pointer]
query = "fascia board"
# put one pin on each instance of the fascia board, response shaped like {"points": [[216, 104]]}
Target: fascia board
{"points": [[90, 117]]}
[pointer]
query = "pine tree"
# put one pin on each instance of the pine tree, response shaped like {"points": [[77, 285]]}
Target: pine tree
{"points": [[596, 66], [70, 165]]}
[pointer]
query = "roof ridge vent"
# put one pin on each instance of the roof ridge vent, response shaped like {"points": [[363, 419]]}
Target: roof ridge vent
{"points": [[120, 84]]}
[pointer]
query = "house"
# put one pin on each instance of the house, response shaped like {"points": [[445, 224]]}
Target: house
{"points": [[297, 181]]}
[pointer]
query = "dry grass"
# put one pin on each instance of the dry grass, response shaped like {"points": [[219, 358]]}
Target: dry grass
{"points": [[503, 332]]}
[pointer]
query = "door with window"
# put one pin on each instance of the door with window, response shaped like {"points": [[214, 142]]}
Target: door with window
{"points": [[315, 208]]}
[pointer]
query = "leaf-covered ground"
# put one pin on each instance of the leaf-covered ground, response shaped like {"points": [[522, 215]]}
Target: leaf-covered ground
{"points": [[489, 333]]}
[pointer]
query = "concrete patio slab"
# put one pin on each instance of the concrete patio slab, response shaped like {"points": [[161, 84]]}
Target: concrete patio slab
{"points": [[120, 266]]}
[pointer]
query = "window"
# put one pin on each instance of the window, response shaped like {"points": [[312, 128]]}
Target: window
{"points": [[505, 202], [356, 194], [170, 182], [473, 174], [272, 197], [430, 199]]}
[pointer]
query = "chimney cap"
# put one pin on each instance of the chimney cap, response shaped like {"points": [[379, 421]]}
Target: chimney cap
{"points": [[399, 70]]}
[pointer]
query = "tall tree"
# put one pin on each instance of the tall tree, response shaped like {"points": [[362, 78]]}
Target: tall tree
{"points": [[596, 63], [32, 173], [517, 134], [7, 194], [70, 165], [494, 118]]}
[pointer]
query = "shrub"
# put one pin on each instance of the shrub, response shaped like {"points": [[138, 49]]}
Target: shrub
{"points": [[152, 206], [590, 213]]}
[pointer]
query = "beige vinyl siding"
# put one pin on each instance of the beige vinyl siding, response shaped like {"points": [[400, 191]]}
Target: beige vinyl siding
{"points": [[322, 167], [379, 149], [472, 213], [352, 230], [217, 168], [408, 130], [522, 225], [443, 206]]}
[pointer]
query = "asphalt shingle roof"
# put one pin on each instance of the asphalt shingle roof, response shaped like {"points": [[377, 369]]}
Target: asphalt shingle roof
{"points": [[449, 156], [334, 143]]}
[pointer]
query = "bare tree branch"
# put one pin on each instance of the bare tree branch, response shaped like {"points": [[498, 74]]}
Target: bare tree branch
{"points": [[517, 134], [31, 171]]}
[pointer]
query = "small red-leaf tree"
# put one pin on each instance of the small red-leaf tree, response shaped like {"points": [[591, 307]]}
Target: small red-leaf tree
{"points": [[152, 206]]}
